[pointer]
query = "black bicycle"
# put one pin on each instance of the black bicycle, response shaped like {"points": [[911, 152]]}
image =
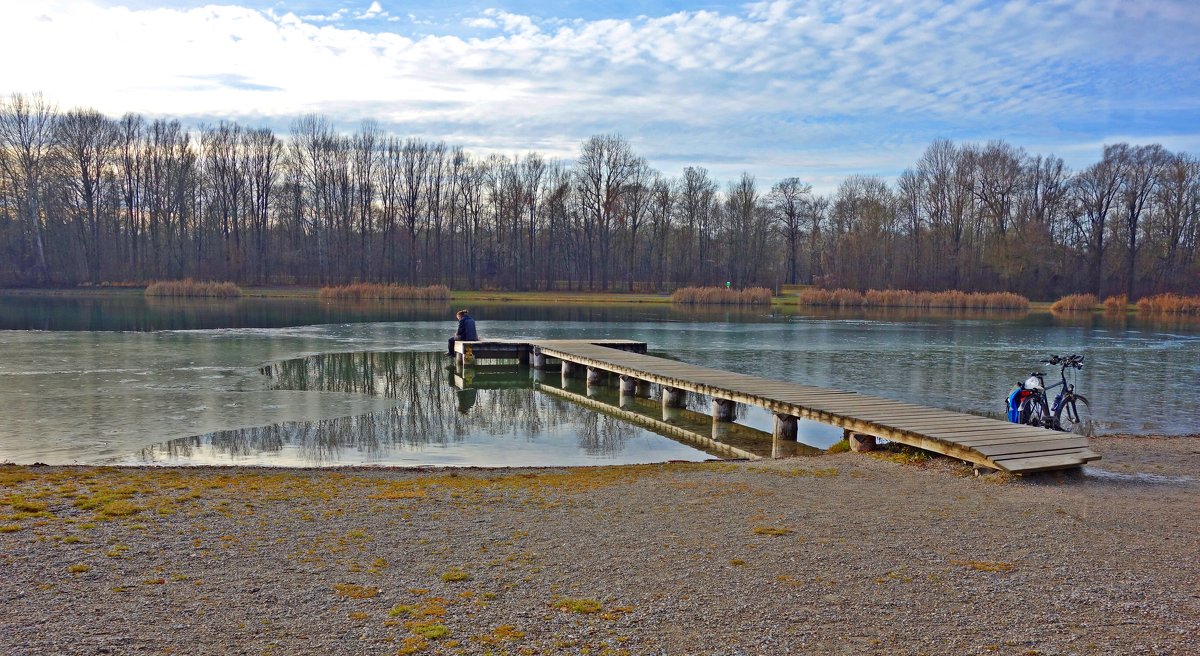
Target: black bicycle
{"points": [[1028, 403]]}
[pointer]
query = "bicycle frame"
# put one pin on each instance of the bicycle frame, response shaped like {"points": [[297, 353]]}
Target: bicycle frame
{"points": [[1035, 409]]}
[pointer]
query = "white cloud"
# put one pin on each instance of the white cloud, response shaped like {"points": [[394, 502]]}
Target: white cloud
{"points": [[374, 11], [334, 17], [779, 83], [482, 23]]}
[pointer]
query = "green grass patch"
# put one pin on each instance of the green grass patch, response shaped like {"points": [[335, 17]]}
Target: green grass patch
{"points": [[773, 530], [351, 591], [582, 606], [840, 446]]}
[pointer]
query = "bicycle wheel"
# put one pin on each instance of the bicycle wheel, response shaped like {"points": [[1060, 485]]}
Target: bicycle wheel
{"points": [[1071, 418]]}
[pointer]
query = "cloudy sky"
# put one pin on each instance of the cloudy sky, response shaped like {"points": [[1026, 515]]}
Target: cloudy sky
{"points": [[815, 89]]}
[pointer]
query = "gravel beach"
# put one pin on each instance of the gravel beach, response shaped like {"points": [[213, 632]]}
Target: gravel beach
{"points": [[832, 554]]}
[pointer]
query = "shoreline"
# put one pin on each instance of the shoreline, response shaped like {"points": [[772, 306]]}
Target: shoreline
{"points": [[837, 553], [785, 300]]}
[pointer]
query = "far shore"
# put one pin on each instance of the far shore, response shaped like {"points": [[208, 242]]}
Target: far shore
{"points": [[835, 554], [783, 300]]}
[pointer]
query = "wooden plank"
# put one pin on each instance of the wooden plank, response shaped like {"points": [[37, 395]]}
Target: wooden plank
{"points": [[1010, 450], [1040, 463], [1017, 437], [947, 428]]}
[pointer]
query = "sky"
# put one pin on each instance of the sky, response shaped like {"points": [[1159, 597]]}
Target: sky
{"points": [[813, 89]]}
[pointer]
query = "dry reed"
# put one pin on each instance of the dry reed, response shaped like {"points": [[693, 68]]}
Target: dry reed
{"points": [[1169, 304], [722, 296], [878, 298], [364, 290], [1116, 304], [1075, 303], [191, 287]]}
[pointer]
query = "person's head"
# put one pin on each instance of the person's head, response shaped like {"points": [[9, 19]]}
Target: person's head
{"points": [[461, 314]]}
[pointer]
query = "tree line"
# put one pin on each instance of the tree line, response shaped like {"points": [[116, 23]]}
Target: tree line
{"points": [[89, 199]]}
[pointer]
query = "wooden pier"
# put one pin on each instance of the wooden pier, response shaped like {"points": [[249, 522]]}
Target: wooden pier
{"points": [[984, 442]]}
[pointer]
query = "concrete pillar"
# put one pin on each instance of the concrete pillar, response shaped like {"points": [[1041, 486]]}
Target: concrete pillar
{"points": [[724, 410], [643, 389], [539, 359], [671, 414], [594, 391], [569, 369], [785, 427], [625, 400], [673, 397], [628, 384], [860, 442], [596, 376], [571, 384]]}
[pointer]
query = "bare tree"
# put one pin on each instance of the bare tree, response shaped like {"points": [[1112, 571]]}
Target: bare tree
{"points": [[787, 200], [1177, 217], [604, 167], [264, 152], [27, 134], [1143, 166], [1095, 192], [88, 142]]}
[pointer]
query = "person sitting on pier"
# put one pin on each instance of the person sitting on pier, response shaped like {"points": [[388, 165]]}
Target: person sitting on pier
{"points": [[466, 331]]}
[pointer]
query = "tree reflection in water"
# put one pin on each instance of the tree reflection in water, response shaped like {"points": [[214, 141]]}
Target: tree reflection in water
{"points": [[497, 420]]}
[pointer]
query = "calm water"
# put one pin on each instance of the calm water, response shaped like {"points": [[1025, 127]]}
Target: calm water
{"points": [[118, 381]]}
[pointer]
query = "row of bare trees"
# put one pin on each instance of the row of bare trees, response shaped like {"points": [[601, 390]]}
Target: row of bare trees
{"points": [[85, 198]]}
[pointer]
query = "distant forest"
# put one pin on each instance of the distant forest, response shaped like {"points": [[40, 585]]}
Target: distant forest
{"points": [[87, 199]]}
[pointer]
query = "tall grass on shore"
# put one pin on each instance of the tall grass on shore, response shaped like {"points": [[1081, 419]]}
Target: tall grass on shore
{"points": [[902, 298], [191, 287], [722, 296], [1169, 304], [1116, 304], [365, 290], [1075, 303]]}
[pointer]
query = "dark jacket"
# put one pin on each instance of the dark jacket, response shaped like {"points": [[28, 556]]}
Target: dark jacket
{"points": [[466, 330]]}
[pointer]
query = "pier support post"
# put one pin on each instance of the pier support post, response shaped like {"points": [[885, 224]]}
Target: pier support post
{"points": [[860, 443], [724, 410], [628, 384], [596, 376], [539, 359], [671, 414], [673, 397], [642, 390], [785, 427], [569, 369], [625, 400]]}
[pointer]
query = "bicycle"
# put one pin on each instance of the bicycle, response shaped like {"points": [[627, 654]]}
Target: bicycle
{"points": [[1027, 404]]}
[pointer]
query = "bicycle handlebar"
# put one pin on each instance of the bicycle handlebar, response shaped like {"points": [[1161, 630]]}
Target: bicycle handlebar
{"points": [[1073, 360]]}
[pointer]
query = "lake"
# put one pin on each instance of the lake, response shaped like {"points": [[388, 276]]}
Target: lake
{"points": [[126, 380]]}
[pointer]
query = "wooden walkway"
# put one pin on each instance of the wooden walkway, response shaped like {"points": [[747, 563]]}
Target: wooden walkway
{"points": [[990, 443]]}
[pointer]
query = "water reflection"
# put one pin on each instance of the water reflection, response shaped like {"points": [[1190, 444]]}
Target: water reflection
{"points": [[489, 417], [479, 416]]}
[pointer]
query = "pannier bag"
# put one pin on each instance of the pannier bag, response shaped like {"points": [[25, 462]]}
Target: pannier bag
{"points": [[1018, 396]]}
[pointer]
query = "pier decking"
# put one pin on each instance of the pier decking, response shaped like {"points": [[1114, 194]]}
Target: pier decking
{"points": [[985, 442]]}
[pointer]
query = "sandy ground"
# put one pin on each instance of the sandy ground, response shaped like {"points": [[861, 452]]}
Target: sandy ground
{"points": [[835, 554]]}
